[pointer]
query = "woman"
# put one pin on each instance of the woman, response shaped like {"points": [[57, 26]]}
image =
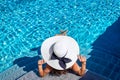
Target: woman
{"points": [[61, 53]]}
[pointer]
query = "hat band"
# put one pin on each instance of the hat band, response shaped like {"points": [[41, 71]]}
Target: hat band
{"points": [[62, 61]]}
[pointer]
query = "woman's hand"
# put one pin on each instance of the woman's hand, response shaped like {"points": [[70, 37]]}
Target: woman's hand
{"points": [[82, 58], [40, 62]]}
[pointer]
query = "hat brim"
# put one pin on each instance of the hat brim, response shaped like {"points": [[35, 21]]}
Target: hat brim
{"points": [[73, 51]]}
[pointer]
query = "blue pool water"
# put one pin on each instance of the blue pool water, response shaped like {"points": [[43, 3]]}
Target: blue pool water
{"points": [[25, 24]]}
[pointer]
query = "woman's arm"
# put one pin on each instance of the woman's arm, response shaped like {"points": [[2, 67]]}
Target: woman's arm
{"points": [[83, 68], [82, 59], [40, 68], [80, 70]]}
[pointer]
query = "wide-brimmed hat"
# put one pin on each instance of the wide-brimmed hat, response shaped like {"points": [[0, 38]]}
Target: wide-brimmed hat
{"points": [[60, 52]]}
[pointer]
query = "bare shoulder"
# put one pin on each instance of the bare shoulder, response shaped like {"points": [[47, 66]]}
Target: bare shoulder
{"points": [[48, 68], [75, 65]]}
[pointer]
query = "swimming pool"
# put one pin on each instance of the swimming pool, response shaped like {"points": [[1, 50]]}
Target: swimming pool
{"points": [[25, 24]]}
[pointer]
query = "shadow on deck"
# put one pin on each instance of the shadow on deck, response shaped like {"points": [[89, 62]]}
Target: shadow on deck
{"points": [[105, 56]]}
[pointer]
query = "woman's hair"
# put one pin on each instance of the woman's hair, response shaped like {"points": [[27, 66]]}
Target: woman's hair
{"points": [[58, 72]]}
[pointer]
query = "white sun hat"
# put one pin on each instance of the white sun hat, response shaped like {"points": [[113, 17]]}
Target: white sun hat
{"points": [[60, 52]]}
